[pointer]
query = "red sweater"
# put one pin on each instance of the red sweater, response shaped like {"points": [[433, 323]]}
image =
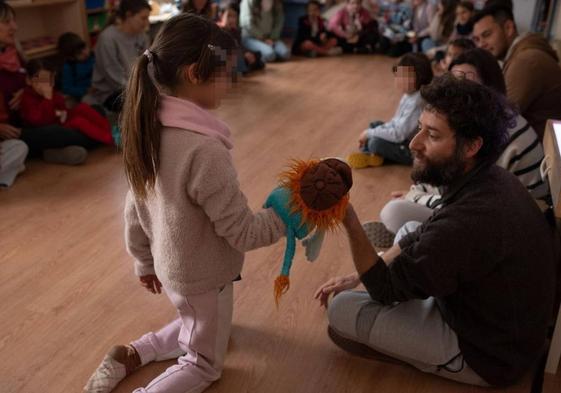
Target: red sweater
{"points": [[37, 111]]}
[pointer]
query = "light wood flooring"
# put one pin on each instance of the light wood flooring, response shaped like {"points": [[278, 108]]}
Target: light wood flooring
{"points": [[67, 288]]}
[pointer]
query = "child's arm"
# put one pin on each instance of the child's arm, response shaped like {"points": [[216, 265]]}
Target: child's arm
{"points": [[136, 241], [402, 125], [213, 184]]}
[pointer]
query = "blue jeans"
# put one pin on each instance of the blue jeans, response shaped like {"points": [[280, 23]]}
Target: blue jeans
{"points": [[268, 53], [391, 151], [395, 152]]}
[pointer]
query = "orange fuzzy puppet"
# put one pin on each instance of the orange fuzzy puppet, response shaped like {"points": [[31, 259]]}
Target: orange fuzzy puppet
{"points": [[312, 194]]}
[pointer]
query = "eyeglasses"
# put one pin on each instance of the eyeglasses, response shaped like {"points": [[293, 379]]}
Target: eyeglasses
{"points": [[464, 75]]}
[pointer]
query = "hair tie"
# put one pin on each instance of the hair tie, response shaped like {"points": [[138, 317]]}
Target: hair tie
{"points": [[149, 55]]}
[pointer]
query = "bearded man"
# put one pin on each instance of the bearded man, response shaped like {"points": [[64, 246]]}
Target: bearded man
{"points": [[469, 294]]}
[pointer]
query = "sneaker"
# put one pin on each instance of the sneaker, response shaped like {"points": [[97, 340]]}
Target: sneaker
{"points": [[335, 51], [363, 160], [69, 155], [378, 234], [359, 349], [119, 362]]}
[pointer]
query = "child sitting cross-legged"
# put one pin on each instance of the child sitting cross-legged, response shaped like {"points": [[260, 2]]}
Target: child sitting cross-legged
{"points": [[41, 105], [312, 38], [389, 140]]}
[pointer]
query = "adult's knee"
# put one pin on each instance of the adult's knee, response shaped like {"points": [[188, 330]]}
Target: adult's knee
{"points": [[391, 215], [343, 310]]}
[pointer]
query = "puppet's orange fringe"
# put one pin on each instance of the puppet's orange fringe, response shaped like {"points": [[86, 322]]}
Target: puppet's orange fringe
{"points": [[282, 283], [324, 219]]}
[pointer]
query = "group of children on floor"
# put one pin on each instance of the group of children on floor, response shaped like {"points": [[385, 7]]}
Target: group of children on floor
{"points": [[199, 288], [77, 96]]}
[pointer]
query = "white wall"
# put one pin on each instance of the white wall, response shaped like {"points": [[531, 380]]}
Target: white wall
{"points": [[524, 13]]}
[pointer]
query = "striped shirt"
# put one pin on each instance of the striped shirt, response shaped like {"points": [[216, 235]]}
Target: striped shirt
{"points": [[522, 157]]}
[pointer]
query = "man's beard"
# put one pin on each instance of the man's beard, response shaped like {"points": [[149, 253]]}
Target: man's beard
{"points": [[441, 172]]}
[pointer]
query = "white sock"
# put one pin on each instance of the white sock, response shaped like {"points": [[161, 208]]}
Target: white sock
{"points": [[107, 375]]}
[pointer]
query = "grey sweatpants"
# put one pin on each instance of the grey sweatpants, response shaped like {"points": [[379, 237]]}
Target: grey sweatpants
{"points": [[413, 332]]}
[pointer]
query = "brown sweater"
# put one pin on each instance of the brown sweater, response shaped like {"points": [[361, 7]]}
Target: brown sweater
{"points": [[533, 80], [193, 231]]}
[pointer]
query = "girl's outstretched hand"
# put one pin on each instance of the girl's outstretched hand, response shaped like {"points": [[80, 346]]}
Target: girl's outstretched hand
{"points": [[151, 283], [336, 285]]}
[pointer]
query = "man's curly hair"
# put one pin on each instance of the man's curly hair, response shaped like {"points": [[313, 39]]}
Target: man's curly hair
{"points": [[472, 110]]}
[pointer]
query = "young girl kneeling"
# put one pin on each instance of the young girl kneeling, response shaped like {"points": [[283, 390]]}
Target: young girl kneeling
{"points": [[188, 223]]}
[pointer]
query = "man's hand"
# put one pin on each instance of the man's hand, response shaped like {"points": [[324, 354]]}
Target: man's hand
{"points": [[334, 286], [151, 283], [9, 132]]}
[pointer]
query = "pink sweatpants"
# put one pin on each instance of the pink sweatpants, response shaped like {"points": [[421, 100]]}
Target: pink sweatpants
{"points": [[199, 337]]}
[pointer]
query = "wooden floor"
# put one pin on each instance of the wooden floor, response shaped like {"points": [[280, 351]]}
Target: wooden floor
{"points": [[68, 292]]}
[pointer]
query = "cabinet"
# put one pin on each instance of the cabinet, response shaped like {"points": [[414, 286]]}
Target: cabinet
{"points": [[41, 22]]}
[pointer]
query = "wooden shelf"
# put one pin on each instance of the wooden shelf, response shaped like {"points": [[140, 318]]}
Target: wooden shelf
{"points": [[39, 3], [42, 51]]}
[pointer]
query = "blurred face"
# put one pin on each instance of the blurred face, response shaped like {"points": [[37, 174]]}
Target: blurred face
{"points": [[137, 23], [462, 15], [231, 19], [417, 3], [466, 71], [43, 77], [405, 79], [353, 6], [8, 28], [489, 35], [451, 53], [314, 11], [436, 159]]}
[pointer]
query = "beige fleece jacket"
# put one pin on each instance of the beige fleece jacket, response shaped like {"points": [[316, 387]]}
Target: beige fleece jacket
{"points": [[192, 232]]}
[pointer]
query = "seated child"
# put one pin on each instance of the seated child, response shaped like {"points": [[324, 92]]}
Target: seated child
{"points": [[13, 151], [247, 60], [77, 71], [312, 38], [41, 105], [357, 32], [390, 140], [395, 22], [455, 48], [464, 26]]}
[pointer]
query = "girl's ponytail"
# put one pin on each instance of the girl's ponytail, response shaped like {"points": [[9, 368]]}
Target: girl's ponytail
{"points": [[141, 128], [183, 40]]}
